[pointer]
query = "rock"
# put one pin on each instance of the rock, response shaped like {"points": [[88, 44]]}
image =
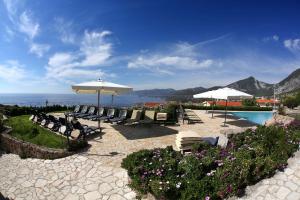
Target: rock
{"points": [[293, 196], [104, 188], [291, 185], [27, 184], [91, 187], [71, 197], [92, 195], [282, 192], [279, 119], [116, 197], [40, 183]]}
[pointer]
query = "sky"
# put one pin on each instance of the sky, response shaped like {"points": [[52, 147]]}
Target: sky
{"points": [[46, 46]]}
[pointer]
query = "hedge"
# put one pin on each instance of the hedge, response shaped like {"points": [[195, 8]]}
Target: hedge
{"points": [[25, 110], [233, 108], [213, 172]]}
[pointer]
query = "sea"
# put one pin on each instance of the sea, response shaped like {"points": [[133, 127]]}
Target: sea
{"points": [[73, 99]]}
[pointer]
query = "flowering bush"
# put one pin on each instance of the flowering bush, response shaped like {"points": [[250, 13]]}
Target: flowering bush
{"points": [[213, 172]]}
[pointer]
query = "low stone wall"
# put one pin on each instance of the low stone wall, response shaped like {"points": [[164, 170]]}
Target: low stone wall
{"points": [[25, 149], [279, 119]]}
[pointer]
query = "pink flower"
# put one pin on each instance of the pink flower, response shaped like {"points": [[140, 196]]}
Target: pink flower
{"points": [[207, 198]]}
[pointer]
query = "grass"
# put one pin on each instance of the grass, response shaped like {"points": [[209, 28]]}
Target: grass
{"points": [[24, 129]]}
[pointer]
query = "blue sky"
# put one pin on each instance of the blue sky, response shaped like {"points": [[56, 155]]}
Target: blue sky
{"points": [[48, 45]]}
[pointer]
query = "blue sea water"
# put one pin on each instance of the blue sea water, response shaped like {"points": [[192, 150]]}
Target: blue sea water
{"points": [[256, 117], [72, 99]]}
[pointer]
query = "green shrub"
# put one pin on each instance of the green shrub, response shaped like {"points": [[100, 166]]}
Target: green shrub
{"points": [[292, 100], [249, 102], [1, 122], [24, 110], [233, 108], [213, 172]]}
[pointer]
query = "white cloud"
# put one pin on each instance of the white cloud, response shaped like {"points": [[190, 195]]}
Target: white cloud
{"points": [[64, 28], [275, 37], [12, 71], [271, 38], [172, 62], [94, 51], [61, 59], [39, 49], [28, 26], [23, 22], [292, 44], [11, 7], [183, 56]]}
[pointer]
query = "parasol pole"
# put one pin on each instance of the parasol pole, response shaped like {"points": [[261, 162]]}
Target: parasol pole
{"points": [[99, 110]]}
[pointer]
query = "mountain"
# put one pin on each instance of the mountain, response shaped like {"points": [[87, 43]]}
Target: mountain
{"points": [[290, 83], [249, 85], [252, 86], [155, 92]]}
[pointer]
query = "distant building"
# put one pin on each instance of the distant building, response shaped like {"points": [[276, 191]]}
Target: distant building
{"points": [[267, 102], [223, 103], [152, 104]]}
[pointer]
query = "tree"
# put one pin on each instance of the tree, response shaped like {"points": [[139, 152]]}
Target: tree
{"points": [[290, 101], [249, 102]]}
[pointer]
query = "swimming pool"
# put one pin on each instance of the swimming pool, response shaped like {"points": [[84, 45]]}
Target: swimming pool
{"points": [[256, 117]]}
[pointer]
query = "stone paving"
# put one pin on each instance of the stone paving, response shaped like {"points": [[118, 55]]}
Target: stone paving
{"points": [[283, 185], [97, 173], [72, 178]]}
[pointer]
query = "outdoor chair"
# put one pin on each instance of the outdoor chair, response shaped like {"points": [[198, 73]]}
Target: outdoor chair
{"points": [[53, 124], [84, 129], [31, 118], [65, 128], [110, 114], [121, 117], [97, 115], [45, 122], [76, 111], [83, 111], [161, 118], [135, 117], [149, 117], [191, 117], [39, 117], [186, 139], [90, 112]]}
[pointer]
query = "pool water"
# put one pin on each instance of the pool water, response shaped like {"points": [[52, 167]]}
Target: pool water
{"points": [[256, 117]]}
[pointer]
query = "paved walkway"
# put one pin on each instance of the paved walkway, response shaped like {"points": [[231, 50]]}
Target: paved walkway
{"points": [[96, 173], [282, 186]]}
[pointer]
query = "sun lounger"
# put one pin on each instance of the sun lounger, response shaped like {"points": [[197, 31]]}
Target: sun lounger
{"points": [[186, 139], [191, 117], [161, 118], [84, 129], [53, 124], [83, 111], [121, 117], [135, 117], [98, 115], [110, 114], [65, 127], [90, 112], [76, 110], [149, 117]]}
